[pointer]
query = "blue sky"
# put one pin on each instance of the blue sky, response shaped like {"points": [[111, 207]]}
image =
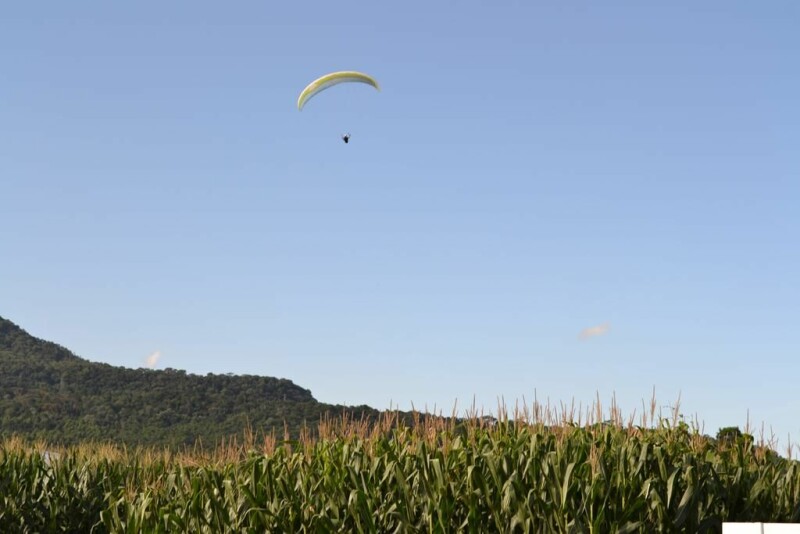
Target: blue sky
{"points": [[528, 171]]}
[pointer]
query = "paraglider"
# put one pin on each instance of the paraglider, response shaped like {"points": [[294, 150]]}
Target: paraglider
{"points": [[329, 80]]}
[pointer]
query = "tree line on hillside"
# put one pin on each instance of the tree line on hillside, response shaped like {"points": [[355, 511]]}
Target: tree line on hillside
{"points": [[46, 392]]}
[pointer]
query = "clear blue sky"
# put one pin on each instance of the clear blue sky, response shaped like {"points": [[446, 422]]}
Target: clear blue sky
{"points": [[529, 170]]}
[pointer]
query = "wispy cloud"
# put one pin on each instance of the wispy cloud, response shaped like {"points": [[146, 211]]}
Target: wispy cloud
{"points": [[152, 360], [594, 331]]}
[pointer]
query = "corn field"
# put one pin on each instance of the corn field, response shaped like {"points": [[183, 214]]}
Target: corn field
{"points": [[533, 472]]}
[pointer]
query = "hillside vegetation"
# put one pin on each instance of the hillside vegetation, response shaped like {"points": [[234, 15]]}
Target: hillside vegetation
{"points": [[47, 392]]}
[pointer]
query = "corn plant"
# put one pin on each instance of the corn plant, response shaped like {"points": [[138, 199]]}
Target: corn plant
{"points": [[527, 473]]}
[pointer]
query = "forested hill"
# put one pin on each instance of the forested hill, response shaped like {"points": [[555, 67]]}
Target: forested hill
{"points": [[48, 392]]}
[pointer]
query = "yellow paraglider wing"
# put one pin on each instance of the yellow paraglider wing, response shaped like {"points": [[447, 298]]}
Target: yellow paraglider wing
{"points": [[334, 78]]}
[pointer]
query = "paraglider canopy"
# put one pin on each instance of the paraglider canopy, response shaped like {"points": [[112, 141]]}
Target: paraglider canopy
{"points": [[329, 80]]}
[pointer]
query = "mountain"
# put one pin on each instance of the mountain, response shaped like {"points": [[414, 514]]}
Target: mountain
{"points": [[48, 392]]}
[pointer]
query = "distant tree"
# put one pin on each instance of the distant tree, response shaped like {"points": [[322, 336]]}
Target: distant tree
{"points": [[729, 435]]}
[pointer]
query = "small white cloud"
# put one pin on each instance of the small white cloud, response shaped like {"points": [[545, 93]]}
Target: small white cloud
{"points": [[151, 361], [594, 331]]}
